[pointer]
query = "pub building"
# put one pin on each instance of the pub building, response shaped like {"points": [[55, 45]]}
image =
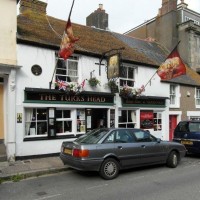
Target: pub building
{"points": [[48, 113]]}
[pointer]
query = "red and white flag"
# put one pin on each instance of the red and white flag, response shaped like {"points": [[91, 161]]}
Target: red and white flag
{"points": [[68, 41], [172, 67], [83, 84]]}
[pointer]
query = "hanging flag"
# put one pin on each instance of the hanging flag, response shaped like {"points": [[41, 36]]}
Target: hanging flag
{"points": [[172, 67], [68, 40], [62, 85], [83, 84]]}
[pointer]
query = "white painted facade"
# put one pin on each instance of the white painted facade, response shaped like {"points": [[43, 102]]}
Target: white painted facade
{"points": [[28, 56]]}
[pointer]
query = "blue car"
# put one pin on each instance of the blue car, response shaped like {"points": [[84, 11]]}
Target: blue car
{"points": [[188, 134]]}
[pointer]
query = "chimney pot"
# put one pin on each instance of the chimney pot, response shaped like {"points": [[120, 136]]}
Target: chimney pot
{"points": [[101, 6]]}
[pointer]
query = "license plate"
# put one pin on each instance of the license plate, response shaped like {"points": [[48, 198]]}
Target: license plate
{"points": [[68, 151], [187, 142]]}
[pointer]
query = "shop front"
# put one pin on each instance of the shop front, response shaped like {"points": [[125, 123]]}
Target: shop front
{"points": [[65, 114], [49, 117], [145, 112]]}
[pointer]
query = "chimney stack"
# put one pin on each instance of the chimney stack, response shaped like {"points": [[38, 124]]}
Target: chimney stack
{"points": [[33, 5], [167, 6], [98, 19]]}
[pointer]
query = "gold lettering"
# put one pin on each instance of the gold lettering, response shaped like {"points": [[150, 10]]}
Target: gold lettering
{"points": [[103, 99], [67, 98], [41, 97], [73, 98], [53, 98], [82, 99], [48, 97], [89, 99]]}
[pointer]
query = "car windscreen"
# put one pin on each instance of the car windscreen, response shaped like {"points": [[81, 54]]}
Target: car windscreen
{"points": [[92, 137]]}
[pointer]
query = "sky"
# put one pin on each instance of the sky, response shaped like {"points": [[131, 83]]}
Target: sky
{"points": [[123, 14]]}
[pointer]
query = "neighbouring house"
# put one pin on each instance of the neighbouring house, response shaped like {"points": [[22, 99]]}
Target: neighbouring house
{"points": [[174, 23], [8, 70]]}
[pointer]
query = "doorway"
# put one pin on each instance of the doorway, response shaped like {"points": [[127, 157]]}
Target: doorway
{"points": [[172, 126], [96, 118]]}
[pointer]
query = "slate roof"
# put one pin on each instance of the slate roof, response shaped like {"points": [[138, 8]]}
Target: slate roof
{"points": [[152, 50], [41, 30]]}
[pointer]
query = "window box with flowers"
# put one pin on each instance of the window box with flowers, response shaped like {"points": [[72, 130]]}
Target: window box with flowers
{"points": [[130, 92], [69, 87], [94, 82], [113, 86]]}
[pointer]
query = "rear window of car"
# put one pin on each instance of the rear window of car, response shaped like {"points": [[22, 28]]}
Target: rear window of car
{"points": [[92, 137], [188, 127], [194, 127]]}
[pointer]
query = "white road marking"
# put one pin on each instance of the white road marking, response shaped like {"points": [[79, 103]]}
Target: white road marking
{"points": [[49, 197]]}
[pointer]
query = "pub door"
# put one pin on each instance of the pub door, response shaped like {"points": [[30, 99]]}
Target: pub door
{"points": [[96, 118], [172, 125]]}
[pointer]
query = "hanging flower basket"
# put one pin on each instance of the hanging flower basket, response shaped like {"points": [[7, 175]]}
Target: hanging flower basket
{"points": [[94, 82], [113, 86], [130, 92]]}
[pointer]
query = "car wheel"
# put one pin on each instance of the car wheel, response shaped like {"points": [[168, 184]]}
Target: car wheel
{"points": [[172, 160], [109, 169]]}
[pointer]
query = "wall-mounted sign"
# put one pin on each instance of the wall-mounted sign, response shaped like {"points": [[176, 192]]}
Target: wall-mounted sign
{"points": [[56, 96], [19, 117], [146, 119], [146, 101], [113, 66]]}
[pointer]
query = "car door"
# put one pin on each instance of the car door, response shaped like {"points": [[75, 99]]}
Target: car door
{"points": [[151, 149], [126, 149]]}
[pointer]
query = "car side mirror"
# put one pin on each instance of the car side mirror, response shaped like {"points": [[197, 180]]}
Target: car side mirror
{"points": [[158, 140]]}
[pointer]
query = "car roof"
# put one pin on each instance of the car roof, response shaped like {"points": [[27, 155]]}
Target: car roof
{"points": [[120, 128], [190, 121]]}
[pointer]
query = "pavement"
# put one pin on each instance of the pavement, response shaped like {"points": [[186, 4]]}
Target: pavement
{"points": [[21, 169]]}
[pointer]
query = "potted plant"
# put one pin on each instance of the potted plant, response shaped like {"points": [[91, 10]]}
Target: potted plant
{"points": [[113, 86], [94, 82]]}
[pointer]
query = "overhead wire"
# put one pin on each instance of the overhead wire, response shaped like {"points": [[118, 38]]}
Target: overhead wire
{"points": [[59, 35]]}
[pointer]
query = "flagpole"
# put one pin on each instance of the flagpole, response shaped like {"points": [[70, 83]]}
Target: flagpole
{"points": [[150, 79], [159, 67], [71, 10], [50, 83]]}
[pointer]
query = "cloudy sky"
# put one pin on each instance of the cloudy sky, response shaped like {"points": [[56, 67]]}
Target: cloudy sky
{"points": [[123, 14]]}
